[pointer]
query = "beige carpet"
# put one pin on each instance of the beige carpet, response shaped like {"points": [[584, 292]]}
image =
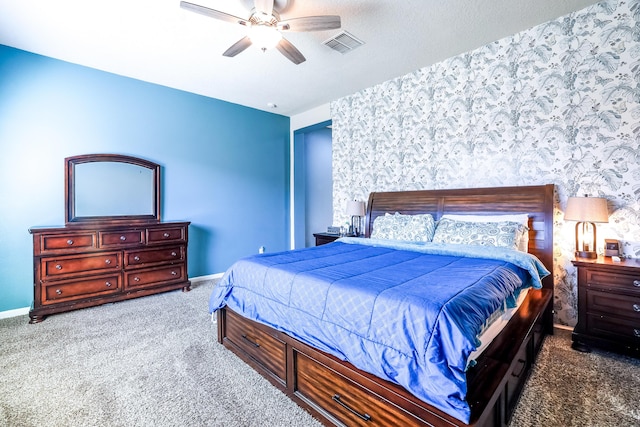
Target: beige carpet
{"points": [[155, 361]]}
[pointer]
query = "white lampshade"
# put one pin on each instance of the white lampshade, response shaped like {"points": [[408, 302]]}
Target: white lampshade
{"points": [[586, 209], [355, 208]]}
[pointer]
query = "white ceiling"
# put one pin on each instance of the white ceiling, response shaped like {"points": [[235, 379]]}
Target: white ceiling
{"points": [[159, 42]]}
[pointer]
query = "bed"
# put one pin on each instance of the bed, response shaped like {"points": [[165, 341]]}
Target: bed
{"points": [[327, 369]]}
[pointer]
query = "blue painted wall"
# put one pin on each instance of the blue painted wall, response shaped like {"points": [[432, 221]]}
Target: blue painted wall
{"points": [[224, 166]]}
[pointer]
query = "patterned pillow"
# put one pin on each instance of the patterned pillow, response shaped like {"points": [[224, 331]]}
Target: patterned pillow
{"points": [[413, 228], [504, 234]]}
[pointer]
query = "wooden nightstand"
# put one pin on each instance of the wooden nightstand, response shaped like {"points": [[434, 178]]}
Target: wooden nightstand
{"points": [[608, 305], [324, 238]]}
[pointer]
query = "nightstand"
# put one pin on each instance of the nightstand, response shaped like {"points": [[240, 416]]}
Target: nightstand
{"points": [[608, 305], [324, 238]]}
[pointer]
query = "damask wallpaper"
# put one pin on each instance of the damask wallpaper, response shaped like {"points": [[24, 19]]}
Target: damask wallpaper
{"points": [[559, 103]]}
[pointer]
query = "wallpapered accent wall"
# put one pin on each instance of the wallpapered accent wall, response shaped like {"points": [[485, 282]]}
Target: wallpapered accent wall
{"points": [[559, 103]]}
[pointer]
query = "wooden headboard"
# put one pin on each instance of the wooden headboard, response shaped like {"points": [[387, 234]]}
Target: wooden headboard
{"points": [[537, 201]]}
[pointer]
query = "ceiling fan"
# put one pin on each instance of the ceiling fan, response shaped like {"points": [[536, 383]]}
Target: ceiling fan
{"points": [[265, 27]]}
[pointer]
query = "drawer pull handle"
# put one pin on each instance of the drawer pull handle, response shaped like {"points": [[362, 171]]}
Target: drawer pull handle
{"points": [[136, 258], [123, 238], [524, 365], [173, 273], [58, 291], [107, 261], [58, 267], [366, 417], [636, 307], [636, 283], [136, 279], [636, 332], [253, 343], [165, 235], [108, 284], [69, 242], [173, 254]]}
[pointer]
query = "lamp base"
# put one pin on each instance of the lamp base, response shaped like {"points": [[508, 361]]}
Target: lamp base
{"points": [[586, 254]]}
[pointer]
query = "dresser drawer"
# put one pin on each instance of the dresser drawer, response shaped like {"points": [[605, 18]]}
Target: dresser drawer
{"points": [[168, 234], [145, 258], [611, 303], [610, 326], [120, 239], [52, 243], [268, 350], [605, 279], [71, 290], [347, 401], [155, 276], [60, 267]]}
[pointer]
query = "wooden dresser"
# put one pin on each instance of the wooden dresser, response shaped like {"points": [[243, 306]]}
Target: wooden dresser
{"points": [[81, 266], [608, 305]]}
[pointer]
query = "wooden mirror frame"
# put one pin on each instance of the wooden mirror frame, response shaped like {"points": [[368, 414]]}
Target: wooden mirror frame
{"points": [[71, 217]]}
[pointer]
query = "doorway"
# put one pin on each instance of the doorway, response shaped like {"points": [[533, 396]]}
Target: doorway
{"points": [[313, 182]]}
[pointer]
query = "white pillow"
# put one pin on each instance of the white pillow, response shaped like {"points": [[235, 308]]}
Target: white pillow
{"points": [[522, 241], [505, 233], [412, 228]]}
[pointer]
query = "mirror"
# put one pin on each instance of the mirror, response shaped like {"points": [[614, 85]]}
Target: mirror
{"points": [[111, 188]]}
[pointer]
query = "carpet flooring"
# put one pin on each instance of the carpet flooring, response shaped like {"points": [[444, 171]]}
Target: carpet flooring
{"points": [[155, 361]]}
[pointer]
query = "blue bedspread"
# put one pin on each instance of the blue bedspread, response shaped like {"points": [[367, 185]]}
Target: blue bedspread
{"points": [[394, 310]]}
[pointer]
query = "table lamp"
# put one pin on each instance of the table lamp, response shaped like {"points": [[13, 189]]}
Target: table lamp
{"points": [[587, 211], [355, 209]]}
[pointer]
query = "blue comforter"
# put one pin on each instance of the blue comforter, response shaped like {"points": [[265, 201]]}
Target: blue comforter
{"points": [[408, 313]]}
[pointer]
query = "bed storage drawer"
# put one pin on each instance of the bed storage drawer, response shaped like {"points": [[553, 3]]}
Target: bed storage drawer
{"points": [[344, 399], [266, 349]]}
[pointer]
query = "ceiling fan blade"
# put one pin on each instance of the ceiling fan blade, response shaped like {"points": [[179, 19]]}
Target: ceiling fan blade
{"points": [[264, 6], [238, 47], [212, 13], [310, 23], [290, 51]]}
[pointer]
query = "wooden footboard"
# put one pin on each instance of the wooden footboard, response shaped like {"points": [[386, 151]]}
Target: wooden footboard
{"points": [[337, 393]]}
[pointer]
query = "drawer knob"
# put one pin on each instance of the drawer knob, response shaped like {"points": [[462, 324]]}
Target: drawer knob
{"points": [[59, 292], [636, 307], [69, 242], [108, 284], [107, 261], [58, 267], [174, 254], [636, 332], [165, 235], [123, 238], [136, 279], [336, 398], [636, 283], [173, 273], [136, 258]]}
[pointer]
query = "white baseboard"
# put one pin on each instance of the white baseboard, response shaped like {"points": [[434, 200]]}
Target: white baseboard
{"points": [[14, 313], [207, 277]]}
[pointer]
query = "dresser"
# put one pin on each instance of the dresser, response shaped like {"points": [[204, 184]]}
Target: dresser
{"points": [[608, 305], [80, 266]]}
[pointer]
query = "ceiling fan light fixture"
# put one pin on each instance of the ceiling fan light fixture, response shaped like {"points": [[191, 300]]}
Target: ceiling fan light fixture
{"points": [[264, 36]]}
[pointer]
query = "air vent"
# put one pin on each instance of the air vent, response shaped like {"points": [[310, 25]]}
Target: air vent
{"points": [[343, 42]]}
